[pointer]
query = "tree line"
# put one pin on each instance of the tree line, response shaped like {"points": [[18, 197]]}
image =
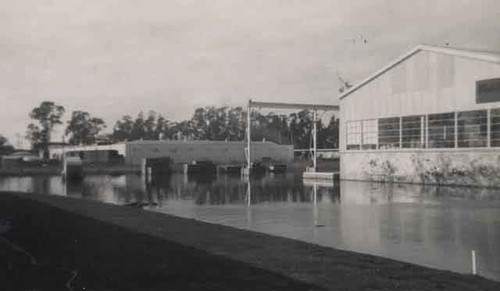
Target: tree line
{"points": [[229, 123], [208, 123]]}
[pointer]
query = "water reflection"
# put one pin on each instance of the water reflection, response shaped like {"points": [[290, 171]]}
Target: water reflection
{"points": [[433, 226]]}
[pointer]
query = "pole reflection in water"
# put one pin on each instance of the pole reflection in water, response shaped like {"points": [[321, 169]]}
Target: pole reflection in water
{"points": [[248, 199], [432, 226], [73, 188], [317, 186], [315, 209]]}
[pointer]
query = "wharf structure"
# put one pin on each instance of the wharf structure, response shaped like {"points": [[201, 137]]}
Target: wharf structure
{"points": [[432, 116]]}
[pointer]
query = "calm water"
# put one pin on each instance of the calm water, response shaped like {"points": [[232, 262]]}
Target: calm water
{"points": [[431, 226]]}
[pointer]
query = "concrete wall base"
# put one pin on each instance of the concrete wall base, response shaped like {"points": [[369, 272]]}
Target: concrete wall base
{"points": [[470, 167]]}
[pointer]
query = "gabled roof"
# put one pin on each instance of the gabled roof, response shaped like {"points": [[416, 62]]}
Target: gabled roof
{"points": [[477, 55]]}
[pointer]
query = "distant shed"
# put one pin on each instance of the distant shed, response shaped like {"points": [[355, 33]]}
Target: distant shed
{"points": [[220, 152]]}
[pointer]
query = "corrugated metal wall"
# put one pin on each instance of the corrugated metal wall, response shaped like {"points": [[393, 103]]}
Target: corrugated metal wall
{"points": [[218, 152], [426, 83]]}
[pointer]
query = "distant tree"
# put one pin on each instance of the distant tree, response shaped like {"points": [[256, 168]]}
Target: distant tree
{"points": [[122, 130], [162, 127], [33, 134], [217, 127], [328, 137], [83, 129], [236, 121], [150, 126], [138, 128], [200, 123], [182, 130], [5, 147], [301, 128], [219, 123], [48, 115], [277, 128]]}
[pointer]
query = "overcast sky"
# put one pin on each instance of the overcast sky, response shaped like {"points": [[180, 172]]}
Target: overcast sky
{"points": [[116, 57]]}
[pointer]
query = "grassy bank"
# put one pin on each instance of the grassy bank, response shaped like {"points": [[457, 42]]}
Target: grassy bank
{"points": [[123, 248], [47, 248]]}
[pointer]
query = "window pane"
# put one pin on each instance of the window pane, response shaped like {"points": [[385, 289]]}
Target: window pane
{"points": [[488, 91], [412, 132], [369, 135], [353, 135], [388, 130], [495, 127], [472, 128], [441, 130]]}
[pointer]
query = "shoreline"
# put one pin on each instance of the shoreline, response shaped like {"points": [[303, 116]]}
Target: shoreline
{"points": [[300, 262], [54, 170], [123, 169]]}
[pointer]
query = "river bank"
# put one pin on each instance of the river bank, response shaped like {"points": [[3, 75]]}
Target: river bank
{"points": [[116, 246], [298, 165], [52, 170]]}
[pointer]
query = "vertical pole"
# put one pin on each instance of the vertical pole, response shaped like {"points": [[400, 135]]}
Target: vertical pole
{"points": [[249, 193], [361, 130], [314, 138], [456, 129], [400, 132], [315, 203], [422, 131], [63, 148], [63, 159], [346, 139], [488, 128], [249, 134], [249, 204], [474, 270], [426, 131]]}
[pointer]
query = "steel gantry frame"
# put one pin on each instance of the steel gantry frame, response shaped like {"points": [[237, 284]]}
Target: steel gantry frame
{"points": [[277, 105]]}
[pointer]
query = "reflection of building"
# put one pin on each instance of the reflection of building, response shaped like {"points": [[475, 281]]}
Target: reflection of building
{"points": [[432, 116], [188, 151], [428, 225]]}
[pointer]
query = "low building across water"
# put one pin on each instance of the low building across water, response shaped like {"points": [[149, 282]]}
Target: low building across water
{"points": [[219, 152]]}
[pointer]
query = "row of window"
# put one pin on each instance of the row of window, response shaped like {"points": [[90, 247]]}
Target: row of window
{"points": [[444, 130]]}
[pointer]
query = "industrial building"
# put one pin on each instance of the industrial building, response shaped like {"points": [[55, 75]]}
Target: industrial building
{"points": [[432, 116], [219, 152]]}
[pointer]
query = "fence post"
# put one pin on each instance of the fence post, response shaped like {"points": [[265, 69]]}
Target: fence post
{"points": [[474, 269]]}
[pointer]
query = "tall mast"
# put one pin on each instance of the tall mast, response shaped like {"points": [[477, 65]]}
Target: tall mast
{"points": [[248, 134], [315, 129]]}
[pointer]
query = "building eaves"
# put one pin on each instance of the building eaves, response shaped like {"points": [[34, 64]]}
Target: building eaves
{"points": [[187, 142], [477, 55]]}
